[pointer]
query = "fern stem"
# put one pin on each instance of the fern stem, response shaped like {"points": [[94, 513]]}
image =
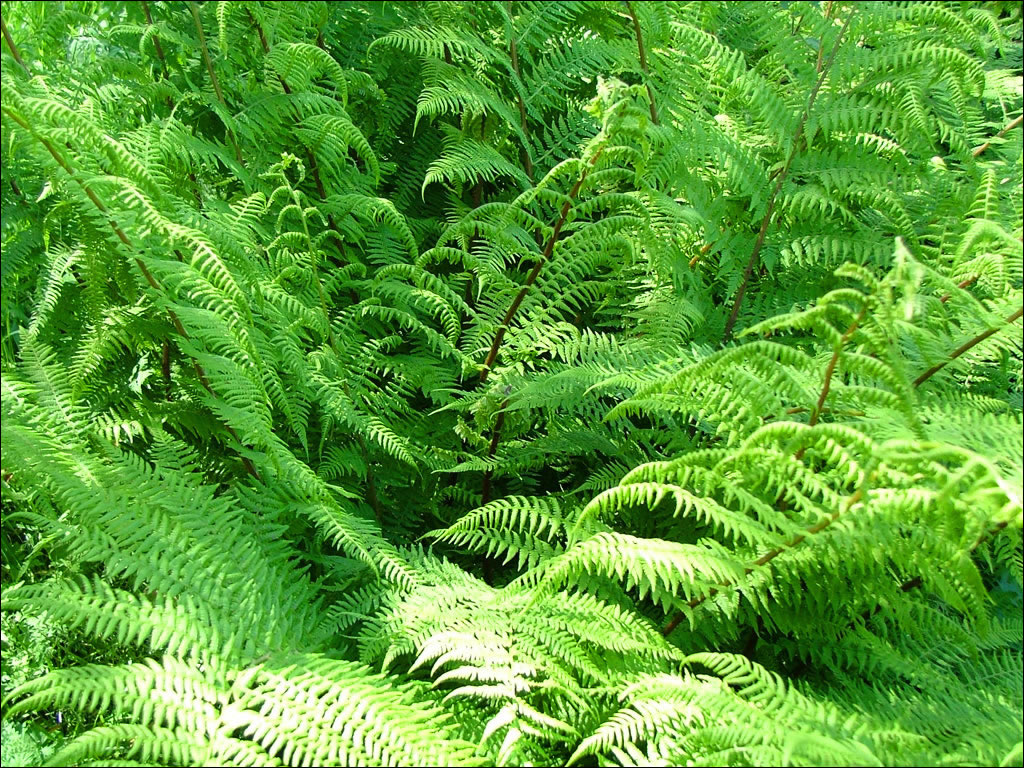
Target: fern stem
{"points": [[165, 366], [830, 371], [175, 320], [918, 581], [485, 489], [371, 483], [492, 449], [963, 284], [643, 60], [313, 167], [965, 347], [532, 277], [213, 75], [156, 39], [513, 51], [13, 48], [759, 243], [766, 558], [500, 335], [1013, 124], [797, 24], [702, 252], [828, 17]]}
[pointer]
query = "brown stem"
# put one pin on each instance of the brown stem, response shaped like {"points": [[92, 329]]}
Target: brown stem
{"points": [[918, 581], [820, 405], [213, 75], [371, 483], [492, 449], [643, 60], [513, 50], [159, 53], [964, 347], [1013, 124], [766, 558], [702, 252], [500, 335], [965, 284], [738, 299], [532, 277], [13, 48], [314, 167], [165, 366], [175, 321], [156, 39], [797, 24], [485, 490], [909, 586], [828, 16]]}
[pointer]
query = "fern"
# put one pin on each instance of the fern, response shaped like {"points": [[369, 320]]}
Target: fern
{"points": [[512, 383]]}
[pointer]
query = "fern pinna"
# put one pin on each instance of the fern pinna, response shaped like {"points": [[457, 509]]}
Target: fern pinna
{"points": [[512, 383]]}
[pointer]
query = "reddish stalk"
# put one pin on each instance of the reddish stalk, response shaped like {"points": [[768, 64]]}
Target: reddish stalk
{"points": [[765, 559], [532, 277], [643, 60], [964, 348], [702, 252], [513, 308], [371, 482], [828, 17], [492, 449], [156, 39], [213, 75], [524, 152], [175, 321], [759, 243], [965, 284], [13, 48], [830, 371], [1013, 124]]}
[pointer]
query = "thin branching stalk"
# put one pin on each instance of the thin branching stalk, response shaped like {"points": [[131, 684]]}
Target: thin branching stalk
{"points": [[830, 371], [1013, 124], [828, 8], [965, 347], [492, 355], [12, 47], [371, 483], [767, 558], [963, 284], [759, 243], [510, 314], [213, 75], [156, 39], [102, 208], [643, 60], [513, 52], [492, 449], [314, 167]]}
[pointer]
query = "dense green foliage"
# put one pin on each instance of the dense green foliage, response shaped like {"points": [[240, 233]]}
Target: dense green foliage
{"points": [[507, 383]]}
